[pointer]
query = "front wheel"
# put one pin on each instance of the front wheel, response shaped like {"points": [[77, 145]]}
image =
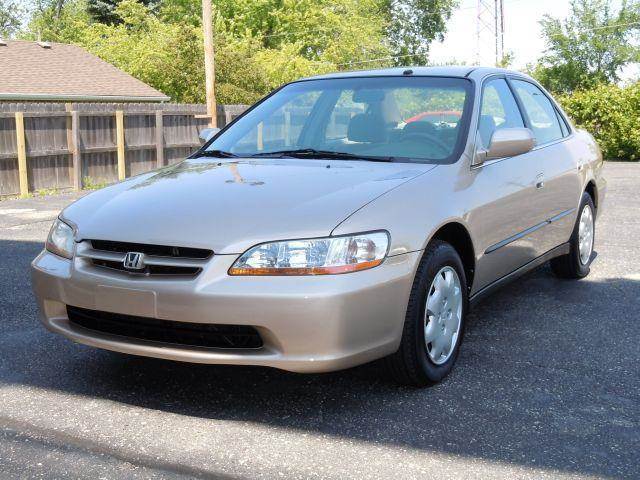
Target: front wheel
{"points": [[576, 264], [434, 322]]}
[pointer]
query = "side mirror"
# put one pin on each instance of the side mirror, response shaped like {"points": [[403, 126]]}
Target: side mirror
{"points": [[507, 142], [206, 134]]}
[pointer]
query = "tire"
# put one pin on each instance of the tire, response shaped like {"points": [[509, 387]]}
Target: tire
{"points": [[413, 364], [571, 265]]}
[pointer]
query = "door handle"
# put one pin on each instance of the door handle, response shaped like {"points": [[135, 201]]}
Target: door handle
{"points": [[540, 181]]}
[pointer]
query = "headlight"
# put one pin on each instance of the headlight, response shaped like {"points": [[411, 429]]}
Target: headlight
{"points": [[60, 240], [319, 256]]}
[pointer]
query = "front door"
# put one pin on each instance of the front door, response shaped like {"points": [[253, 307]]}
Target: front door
{"points": [[508, 213]]}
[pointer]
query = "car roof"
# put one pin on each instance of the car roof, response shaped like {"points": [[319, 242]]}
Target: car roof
{"points": [[445, 71]]}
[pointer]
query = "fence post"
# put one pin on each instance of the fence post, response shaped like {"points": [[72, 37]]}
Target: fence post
{"points": [[159, 139], [22, 155], [74, 147], [228, 116], [259, 144], [122, 172], [68, 107], [287, 128]]}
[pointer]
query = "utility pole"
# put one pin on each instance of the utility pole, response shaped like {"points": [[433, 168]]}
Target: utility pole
{"points": [[209, 62]]}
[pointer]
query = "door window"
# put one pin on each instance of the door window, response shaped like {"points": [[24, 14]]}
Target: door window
{"points": [[542, 114], [499, 110]]}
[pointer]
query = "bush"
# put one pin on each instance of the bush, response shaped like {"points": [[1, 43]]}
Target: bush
{"points": [[612, 115]]}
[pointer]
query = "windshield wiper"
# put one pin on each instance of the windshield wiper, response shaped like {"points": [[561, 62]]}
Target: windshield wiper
{"points": [[215, 153], [322, 154]]}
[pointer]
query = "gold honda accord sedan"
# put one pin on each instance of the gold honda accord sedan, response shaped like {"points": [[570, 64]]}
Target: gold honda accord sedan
{"points": [[342, 219]]}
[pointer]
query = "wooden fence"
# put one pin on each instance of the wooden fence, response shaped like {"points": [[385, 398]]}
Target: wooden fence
{"points": [[60, 146]]}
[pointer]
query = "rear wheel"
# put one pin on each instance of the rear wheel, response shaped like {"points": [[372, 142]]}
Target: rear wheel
{"points": [[576, 264], [434, 323]]}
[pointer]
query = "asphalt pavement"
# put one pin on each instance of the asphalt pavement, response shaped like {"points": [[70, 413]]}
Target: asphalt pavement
{"points": [[547, 385]]}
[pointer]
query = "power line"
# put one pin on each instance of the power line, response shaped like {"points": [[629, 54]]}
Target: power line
{"points": [[615, 25], [602, 27]]}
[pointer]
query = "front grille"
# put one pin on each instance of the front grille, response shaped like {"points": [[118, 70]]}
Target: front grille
{"points": [[152, 250], [149, 269], [167, 331], [158, 260]]}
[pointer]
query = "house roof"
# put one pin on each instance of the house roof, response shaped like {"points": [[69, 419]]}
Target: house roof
{"points": [[61, 72]]}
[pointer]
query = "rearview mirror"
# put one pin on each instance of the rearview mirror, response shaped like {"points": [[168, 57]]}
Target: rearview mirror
{"points": [[207, 133], [507, 142]]}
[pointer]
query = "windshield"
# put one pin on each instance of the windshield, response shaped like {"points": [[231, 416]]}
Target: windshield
{"points": [[404, 119]]}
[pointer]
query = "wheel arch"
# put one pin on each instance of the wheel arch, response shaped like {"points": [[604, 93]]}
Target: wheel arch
{"points": [[592, 190], [457, 235]]}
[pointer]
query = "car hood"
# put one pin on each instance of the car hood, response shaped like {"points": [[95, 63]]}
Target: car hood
{"points": [[231, 205]]}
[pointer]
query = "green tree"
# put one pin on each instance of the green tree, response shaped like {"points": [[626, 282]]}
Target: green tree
{"points": [[168, 56], [506, 61], [590, 46], [10, 17], [336, 31], [58, 21], [104, 11], [413, 25]]}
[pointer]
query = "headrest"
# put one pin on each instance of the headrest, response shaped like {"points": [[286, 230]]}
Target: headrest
{"points": [[366, 127], [419, 127], [381, 103], [368, 96]]}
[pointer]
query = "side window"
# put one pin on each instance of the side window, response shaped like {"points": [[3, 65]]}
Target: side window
{"points": [[542, 114], [499, 110]]}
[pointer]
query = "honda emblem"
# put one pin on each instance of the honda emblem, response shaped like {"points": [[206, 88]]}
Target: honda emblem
{"points": [[134, 261]]}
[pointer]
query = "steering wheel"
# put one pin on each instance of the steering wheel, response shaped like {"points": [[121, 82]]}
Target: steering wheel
{"points": [[426, 136]]}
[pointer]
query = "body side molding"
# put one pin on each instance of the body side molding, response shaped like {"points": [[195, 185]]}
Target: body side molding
{"points": [[528, 231]]}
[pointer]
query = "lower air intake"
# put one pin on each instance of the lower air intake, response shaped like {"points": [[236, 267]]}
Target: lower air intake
{"points": [[166, 331]]}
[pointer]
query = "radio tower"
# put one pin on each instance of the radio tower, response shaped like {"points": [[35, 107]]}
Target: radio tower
{"points": [[489, 30]]}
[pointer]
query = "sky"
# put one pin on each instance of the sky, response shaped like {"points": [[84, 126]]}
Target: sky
{"points": [[522, 32]]}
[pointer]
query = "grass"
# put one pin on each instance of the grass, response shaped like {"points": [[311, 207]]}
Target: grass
{"points": [[89, 183], [43, 192]]}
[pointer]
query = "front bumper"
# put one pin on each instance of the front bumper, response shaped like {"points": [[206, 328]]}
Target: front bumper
{"points": [[307, 324]]}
